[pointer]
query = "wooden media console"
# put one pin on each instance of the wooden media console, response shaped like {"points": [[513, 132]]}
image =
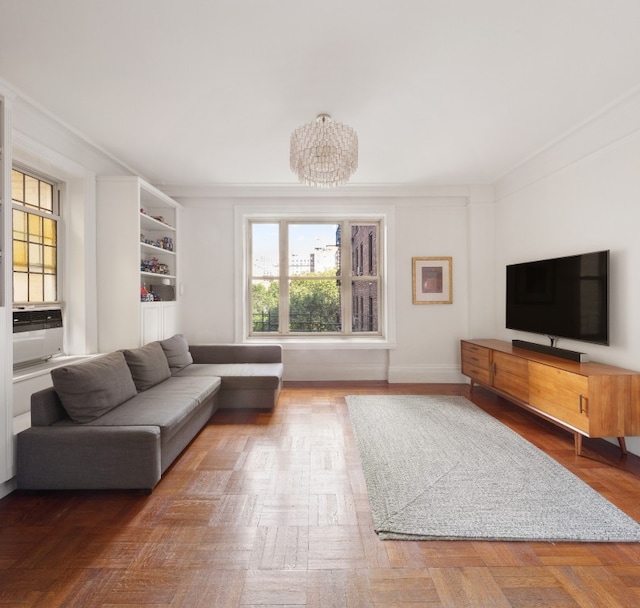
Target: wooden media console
{"points": [[588, 399]]}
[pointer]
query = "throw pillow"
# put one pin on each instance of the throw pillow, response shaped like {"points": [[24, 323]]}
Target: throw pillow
{"points": [[176, 350], [90, 389], [148, 365]]}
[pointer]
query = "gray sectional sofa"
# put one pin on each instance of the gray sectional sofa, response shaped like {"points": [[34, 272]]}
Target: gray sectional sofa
{"points": [[119, 420]]}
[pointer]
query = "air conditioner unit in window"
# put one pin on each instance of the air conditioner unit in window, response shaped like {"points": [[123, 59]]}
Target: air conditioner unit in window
{"points": [[37, 334]]}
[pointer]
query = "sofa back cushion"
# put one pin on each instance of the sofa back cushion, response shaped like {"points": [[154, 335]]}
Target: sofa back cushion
{"points": [[176, 350], [90, 389], [148, 365]]}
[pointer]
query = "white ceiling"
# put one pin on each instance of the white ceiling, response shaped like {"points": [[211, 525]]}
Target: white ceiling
{"points": [[201, 92]]}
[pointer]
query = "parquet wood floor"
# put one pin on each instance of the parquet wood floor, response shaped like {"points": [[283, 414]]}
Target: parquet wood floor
{"points": [[270, 509]]}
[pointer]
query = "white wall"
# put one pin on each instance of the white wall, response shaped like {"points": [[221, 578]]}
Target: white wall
{"points": [[582, 194], [206, 238], [428, 334], [41, 143], [426, 343]]}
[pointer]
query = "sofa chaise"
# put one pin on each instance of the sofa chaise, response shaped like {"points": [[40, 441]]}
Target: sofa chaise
{"points": [[119, 420]]}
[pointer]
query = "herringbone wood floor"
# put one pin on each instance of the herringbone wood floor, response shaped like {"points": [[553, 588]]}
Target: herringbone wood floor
{"points": [[270, 509]]}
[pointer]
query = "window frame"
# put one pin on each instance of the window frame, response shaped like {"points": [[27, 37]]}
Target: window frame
{"points": [[359, 213], [56, 217]]}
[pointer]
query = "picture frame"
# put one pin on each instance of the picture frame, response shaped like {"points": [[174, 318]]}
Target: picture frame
{"points": [[432, 280]]}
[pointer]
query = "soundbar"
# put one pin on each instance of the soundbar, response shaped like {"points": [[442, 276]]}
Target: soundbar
{"points": [[571, 355]]}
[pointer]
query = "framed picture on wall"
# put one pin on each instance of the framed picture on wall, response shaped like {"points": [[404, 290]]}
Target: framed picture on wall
{"points": [[432, 280]]}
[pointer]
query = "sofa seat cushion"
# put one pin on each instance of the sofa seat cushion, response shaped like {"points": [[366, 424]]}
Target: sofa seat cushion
{"points": [[163, 405], [90, 389], [238, 375]]}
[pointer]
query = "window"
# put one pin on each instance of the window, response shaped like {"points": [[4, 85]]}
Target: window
{"points": [[35, 239], [299, 286]]}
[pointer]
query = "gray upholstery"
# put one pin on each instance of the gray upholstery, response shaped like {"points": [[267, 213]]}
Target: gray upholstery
{"points": [[128, 447], [80, 457], [166, 406], [176, 350], [93, 388], [251, 373], [148, 365], [236, 353], [133, 444], [238, 375]]}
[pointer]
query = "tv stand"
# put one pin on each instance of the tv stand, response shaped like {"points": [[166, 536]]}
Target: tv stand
{"points": [[571, 355], [587, 399]]}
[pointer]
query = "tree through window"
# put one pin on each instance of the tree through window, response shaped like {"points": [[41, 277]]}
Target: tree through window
{"points": [[299, 284]]}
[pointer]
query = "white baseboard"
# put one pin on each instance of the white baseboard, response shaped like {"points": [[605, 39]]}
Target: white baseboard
{"points": [[430, 374], [327, 372], [7, 487]]}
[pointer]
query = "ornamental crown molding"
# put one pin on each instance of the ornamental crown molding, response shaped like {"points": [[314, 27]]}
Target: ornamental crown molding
{"points": [[296, 191]]}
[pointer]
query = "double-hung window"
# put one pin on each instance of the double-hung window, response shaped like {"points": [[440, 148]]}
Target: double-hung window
{"points": [[315, 278], [35, 238]]}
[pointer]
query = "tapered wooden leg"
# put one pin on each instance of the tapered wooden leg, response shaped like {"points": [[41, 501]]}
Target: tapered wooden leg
{"points": [[623, 445], [577, 441]]}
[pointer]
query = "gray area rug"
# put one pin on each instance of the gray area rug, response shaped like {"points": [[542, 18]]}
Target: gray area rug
{"points": [[439, 467]]}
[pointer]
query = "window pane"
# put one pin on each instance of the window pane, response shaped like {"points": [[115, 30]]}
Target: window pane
{"points": [[35, 228], [364, 244], [314, 306], [46, 196], [17, 186], [31, 191], [49, 260], [35, 258], [20, 256], [20, 225], [36, 290], [365, 306], [265, 242], [313, 249], [50, 290], [265, 306], [49, 231], [20, 287]]}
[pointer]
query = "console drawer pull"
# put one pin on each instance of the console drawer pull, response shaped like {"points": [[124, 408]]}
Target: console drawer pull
{"points": [[583, 404]]}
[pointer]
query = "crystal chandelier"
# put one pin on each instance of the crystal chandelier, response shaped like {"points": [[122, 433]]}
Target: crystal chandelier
{"points": [[324, 153]]}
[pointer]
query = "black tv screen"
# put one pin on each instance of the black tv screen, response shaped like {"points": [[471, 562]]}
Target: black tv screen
{"points": [[565, 297]]}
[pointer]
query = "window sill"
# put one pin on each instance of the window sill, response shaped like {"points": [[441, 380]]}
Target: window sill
{"points": [[298, 343], [33, 370]]}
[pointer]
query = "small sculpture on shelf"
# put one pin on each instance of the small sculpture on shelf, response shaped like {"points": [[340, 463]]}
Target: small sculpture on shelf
{"points": [[148, 296], [157, 218], [154, 265], [165, 242]]}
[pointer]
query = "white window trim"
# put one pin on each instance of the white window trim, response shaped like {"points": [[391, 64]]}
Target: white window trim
{"points": [[309, 212], [77, 272]]}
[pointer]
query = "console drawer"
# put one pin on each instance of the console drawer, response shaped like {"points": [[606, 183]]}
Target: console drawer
{"points": [[476, 355], [476, 362]]}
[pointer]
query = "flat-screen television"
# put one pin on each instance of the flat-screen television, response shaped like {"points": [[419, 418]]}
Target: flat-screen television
{"points": [[565, 297]]}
